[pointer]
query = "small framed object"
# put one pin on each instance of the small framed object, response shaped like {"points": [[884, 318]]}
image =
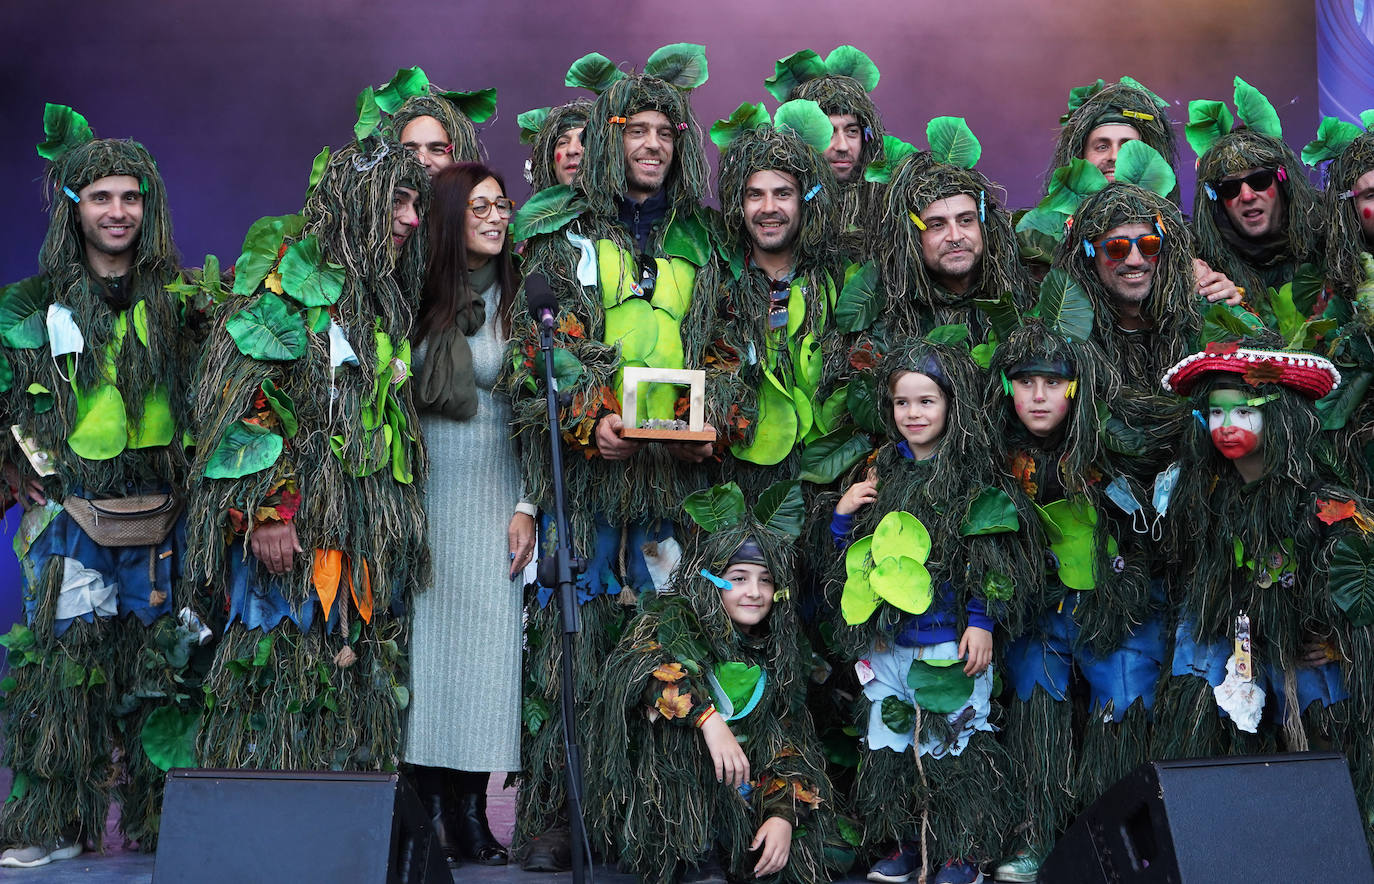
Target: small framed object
{"points": [[666, 431]]}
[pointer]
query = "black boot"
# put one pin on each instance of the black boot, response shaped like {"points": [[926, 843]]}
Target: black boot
{"points": [[430, 785], [466, 819]]}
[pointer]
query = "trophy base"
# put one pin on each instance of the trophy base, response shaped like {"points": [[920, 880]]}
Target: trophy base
{"points": [[668, 435]]}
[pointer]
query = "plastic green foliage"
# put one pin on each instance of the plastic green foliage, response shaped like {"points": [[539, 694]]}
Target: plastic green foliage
{"points": [[737, 681], [689, 239], [23, 317], [807, 120], [307, 277], [369, 114], [940, 686], [548, 210], [850, 61], [267, 329], [991, 512], [282, 406], [478, 106], [1070, 184], [1079, 94], [6, 374], [775, 429], [827, 458], [1333, 136], [1367, 119], [858, 601], [530, 122], [593, 71], [317, 167], [260, 247], [567, 368], [1352, 579], [63, 129], [888, 566], [862, 400], [633, 326], [1335, 409], [860, 301], [1256, 111], [169, 737], [244, 449], [1073, 522], [894, 151], [1208, 121], [793, 70], [952, 142], [679, 64], [781, 508], [948, 334], [407, 82], [717, 507], [898, 715], [1221, 323], [1046, 222], [1064, 306], [1139, 164], [1134, 83]]}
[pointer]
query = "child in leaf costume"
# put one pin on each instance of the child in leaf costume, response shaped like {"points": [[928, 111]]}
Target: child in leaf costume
{"points": [[937, 565], [308, 524], [91, 375], [702, 741]]}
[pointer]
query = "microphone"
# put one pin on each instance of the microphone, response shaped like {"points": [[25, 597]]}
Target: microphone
{"points": [[540, 299]]}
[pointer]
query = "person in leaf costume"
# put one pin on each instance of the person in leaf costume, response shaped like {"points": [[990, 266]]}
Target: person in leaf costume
{"points": [[931, 512], [840, 83], [435, 125], [627, 253], [702, 746], [1273, 641], [305, 493], [555, 138], [1099, 619], [91, 378], [1256, 217]]}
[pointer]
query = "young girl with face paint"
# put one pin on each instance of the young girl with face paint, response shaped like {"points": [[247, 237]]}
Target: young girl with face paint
{"points": [[701, 752], [929, 500], [1273, 641]]}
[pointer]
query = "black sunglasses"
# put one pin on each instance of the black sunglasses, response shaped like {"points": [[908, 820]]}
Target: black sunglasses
{"points": [[1257, 181]]}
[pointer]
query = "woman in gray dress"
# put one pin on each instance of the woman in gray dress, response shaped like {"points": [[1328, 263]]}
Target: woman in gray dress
{"points": [[465, 646]]}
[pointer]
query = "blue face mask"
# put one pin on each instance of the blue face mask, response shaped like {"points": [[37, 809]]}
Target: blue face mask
{"points": [[1164, 490], [63, 335], [1119, 491]]}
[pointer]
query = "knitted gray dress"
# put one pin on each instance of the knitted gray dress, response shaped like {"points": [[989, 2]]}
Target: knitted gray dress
{"points": [[465, 633]]}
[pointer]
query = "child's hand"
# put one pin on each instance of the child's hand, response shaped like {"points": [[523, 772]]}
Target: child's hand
{"points": [[731, 764], [977, 646], [859, 494], [775, 839]]}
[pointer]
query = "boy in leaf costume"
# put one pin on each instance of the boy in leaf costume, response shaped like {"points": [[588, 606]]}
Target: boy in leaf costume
{"points": [[626, 251], [937, 565], [308, 524], [1273, 641], [702, 743], [91, 373]]}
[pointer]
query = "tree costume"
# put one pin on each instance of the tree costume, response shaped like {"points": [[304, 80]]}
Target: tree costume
{"points": [[409, 95], [1128, 103], [840, 83], [1256, 264], [543, 126], [938, 551], [91, 375], [635, 284], [656, 800], [312, 423]]}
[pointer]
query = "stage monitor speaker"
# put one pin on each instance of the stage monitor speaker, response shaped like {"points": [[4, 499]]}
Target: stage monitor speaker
{"points": [[260, 826], [1251, 819]]}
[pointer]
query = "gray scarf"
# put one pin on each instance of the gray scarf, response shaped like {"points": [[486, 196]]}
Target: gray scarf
{"points": [[447, 383]]}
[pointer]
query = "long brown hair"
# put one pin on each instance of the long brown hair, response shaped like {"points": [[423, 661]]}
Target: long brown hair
{"points": [[446, 293]]}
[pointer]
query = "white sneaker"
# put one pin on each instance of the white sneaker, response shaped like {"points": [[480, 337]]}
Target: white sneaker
{"points": [[36, 855]]}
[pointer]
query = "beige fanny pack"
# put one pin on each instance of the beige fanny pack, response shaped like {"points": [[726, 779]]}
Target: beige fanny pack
{"points": [[139, 520]]}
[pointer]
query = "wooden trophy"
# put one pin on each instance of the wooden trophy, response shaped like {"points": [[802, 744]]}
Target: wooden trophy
{"points": [[693, 379]]}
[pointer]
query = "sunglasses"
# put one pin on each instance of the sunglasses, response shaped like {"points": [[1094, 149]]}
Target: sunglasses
{"points": [[1257, 181], [481, 207], [1119, 247]]}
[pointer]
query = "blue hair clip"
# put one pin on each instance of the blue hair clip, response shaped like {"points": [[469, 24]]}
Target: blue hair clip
{"points": [[1200, 419], [71, 193], [718, 581], [982, 207], [868, 133], [811, 194], [1088, 249], [1211, 194]]}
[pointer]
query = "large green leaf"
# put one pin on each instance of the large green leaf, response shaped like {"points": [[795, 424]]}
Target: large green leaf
{"points": [[169, 737], [1072, 522], [719, 506], [737, 681], [1352, 579], [1080, 94], [858, 601], [951, 335], [24, 315], [782, 508], [6, 373], [902, 582], [775, 428], [807, 120], [530, 122], [261, 246], [1335, 407], [548, 210], [567, 368], [898, 715], [478, 106], [792, 71], [63, 129], [1064, 306], [1136, 84], [749, 115], [283, 406], [1223, 323], [308, 277], [244, 449], [862, 400], [940, 686], [849, 61], [593, 71], [827, 458], [1208, 121], [901, 534], [1044, 227], [860, 301], [1070, 184], [1367, 119], [267, 329], [317, 167], [689, 239], [1256, 111], [679, 64], [369, 114], [953, 142], [407, 82], [894, 151], [991, 512], [1333, 136], [1139, 164]]}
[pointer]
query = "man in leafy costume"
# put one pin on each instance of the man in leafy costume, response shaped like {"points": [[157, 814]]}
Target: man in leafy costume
{"points": [[91, 371], [716, 660], [555, 134], [307, 521], [437, 126], [626, 251], [840, 83]]}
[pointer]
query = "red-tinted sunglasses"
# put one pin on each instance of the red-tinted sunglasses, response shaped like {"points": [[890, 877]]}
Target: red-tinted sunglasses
{"points": [[1119, 247]]}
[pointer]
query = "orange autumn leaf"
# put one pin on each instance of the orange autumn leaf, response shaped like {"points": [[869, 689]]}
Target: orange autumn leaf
{"points": [[1263, 373], [806, 795], [273, 283], [608, 399], [1363, 522], [1333, 511], [773, 786], [363, 602], [328, 568], [669, 672], [570, 326], [673, 704]]}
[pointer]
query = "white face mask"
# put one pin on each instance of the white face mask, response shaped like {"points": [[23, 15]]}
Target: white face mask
{"points": [[63, 335]]}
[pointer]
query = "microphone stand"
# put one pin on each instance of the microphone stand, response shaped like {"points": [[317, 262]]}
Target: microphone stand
{"points": [[560, 578]]}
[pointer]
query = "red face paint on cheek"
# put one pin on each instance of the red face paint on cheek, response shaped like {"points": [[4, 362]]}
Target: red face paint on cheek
{"points": [[1234, 442], [1368, 212]]}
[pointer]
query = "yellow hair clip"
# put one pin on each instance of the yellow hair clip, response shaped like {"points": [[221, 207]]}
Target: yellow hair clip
{"points": [[782, 595], [1137, 115], [1071, 389], [916, 219]]}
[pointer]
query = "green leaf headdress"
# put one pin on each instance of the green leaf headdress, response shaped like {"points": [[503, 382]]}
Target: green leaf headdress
{"points": [[1334, 135], [541, 128], [1209, 121], [840, 83], [727, 522], [63, 129], [410, 94], [1127, 102], [1344, 234]]}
